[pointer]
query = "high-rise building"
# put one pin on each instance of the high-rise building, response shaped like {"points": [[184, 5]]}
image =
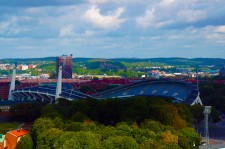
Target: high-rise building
{"points": [[66, 62]]}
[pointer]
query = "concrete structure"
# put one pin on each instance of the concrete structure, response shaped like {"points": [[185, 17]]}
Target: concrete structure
{"points": [[13, 82], [67, 66], [59, 83]]}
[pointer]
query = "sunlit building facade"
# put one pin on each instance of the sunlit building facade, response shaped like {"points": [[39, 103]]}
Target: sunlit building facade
{"points": [[66, 62]]}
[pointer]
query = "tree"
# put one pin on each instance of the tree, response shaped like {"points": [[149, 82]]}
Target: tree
{"points": [[185, 113], [78, 140], [122, 142], [47, 138], [197, 112], [144, 136], [123, 129], [50, 111], [191, 135], [41, 125], [168, 138], [214, 115], [152, 125], [148, 144], [72, 126], [170, 146], [27, 112], [79, 117], [25, 142]]}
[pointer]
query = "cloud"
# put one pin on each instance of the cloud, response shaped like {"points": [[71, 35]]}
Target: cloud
{"points": [[115, 28], [38, 3], [98, 1], [192, 15], [146, 20], [166, 3], [89, 33], [11, 27], [220, 29], [111, 21], [66, 31]]}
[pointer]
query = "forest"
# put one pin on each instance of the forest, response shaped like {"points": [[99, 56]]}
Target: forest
{"points": [[131, 123], [213, 94]]}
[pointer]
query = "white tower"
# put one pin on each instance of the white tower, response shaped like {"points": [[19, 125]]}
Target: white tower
{"points": [[198, 99], [59, 82], [12, 83]]}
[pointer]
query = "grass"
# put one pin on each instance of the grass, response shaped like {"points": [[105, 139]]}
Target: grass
{"points": [[5, 127]]}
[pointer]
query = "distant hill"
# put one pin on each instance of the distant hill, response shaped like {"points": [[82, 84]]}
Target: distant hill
{"points": [[177, 61], [170, 61]]}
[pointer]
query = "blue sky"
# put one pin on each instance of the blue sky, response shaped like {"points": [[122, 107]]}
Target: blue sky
{"points": [[112, 28]]}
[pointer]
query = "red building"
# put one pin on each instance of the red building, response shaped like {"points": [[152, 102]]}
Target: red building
{"points": [[67, 66], [4, 91], [12, 138]]}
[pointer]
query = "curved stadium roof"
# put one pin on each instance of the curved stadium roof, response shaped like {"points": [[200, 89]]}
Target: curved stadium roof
{"points": [[47, 93], [180, 91]]}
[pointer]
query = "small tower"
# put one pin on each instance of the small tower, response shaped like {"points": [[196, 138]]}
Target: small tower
{"points": [[59, 82], [207, 111], [12, 83], [198, 99]]}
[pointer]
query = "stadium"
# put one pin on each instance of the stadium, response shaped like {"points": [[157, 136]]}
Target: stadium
{"points": [[180, 91]]}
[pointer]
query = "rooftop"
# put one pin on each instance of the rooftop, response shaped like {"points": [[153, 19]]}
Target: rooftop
{"points": [[18, 132]]}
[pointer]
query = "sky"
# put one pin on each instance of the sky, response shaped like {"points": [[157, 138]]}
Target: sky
{"points": [[112, 28]]}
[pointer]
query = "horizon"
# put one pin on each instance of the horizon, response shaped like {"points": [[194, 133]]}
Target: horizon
{"points": [[116, 58], [106, 29]]}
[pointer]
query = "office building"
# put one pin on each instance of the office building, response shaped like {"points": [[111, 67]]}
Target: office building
{"points": [[66, 62]]}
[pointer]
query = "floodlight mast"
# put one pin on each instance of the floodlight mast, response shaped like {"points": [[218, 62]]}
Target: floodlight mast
{"points": [[59, 84], [207, 111], [12, 83]]}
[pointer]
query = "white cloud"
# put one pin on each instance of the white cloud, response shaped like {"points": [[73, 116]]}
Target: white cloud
{"points": [[10, 27], [111, 21], [147, 20], [166, 3], [34, 10], [175, 23], [164, 23], [66, 31], [192, 15], [220, 29], [98, 1], [89, 33]]}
